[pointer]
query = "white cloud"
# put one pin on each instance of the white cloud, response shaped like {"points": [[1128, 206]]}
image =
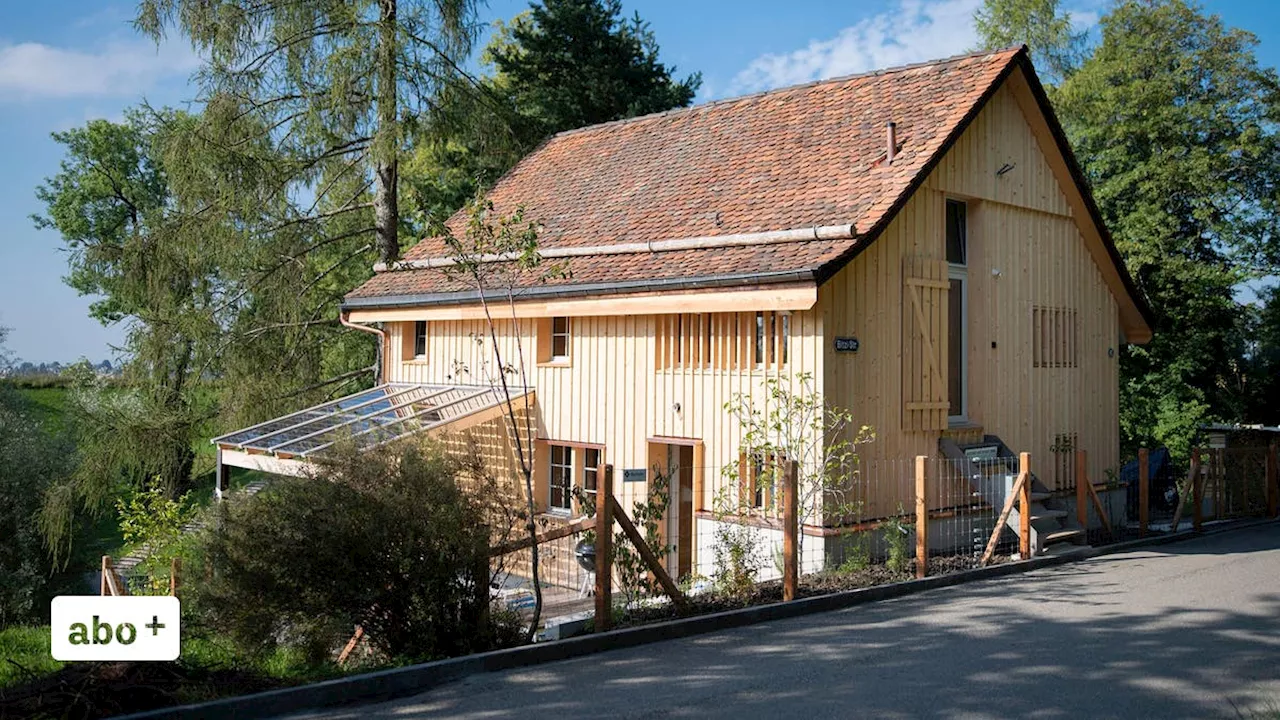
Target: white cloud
{"points": [[34, 71], [911, 31]]}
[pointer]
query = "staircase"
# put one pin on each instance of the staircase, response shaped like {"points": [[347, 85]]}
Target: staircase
{"points": [[992, 470], [126, 565]]}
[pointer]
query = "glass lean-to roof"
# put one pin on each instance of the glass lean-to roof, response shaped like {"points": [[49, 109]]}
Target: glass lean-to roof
{"points": [[369, 418]]}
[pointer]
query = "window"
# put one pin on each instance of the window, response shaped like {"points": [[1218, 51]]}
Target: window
{"points": [[957, 232], [1053, 338], [591, 472], [561, 484], [722, 341], [560, 338], [413, 340], [759, 478], [420, 338], [773, 334], [759, 354], [553, 340]]}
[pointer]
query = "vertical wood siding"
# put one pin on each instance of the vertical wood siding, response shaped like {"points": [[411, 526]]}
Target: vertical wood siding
{"points": [[1020, 225], [611, 392]]}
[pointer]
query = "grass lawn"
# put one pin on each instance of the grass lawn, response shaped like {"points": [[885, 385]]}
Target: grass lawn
{"points": [[47, 404], [208, 669], [26, 651]]}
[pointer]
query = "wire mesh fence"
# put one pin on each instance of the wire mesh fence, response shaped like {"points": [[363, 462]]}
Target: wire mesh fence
{"points": [[862, 527], [1235, 483], [723, 534]]}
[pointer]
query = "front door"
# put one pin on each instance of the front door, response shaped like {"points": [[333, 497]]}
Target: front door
{"points": [[680, 510]]}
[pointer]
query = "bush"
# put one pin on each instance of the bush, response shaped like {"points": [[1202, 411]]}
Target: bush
{"points": [[150, 518], [897, 537], [30, 461], [384, 541]]}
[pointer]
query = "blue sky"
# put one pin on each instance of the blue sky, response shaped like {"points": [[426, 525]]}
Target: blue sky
{"points": [[63, 62]]}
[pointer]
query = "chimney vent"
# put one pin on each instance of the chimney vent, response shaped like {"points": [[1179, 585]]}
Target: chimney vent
{"points": [[891, 137]]}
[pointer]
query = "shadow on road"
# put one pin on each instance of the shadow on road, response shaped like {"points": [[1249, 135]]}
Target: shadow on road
{"points": [[1183, 630]]}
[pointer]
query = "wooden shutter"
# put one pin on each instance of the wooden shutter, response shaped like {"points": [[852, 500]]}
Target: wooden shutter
{"points": [[924, 344]]}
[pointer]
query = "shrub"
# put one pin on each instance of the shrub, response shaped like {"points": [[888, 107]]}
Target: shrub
{"points": [[856, 554], [31, 460], [382, 540], [149, 517], [738, 549], [896, 540]]}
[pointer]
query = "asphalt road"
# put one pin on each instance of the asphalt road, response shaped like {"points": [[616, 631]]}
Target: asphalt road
{"points": [[1190, 629]]}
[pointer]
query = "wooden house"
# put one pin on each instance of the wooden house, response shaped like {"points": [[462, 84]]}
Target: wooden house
{"points": [[918, 240]]}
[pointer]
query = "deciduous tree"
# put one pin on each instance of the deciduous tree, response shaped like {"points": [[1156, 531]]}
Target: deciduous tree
{"points": [[1174, 121]]}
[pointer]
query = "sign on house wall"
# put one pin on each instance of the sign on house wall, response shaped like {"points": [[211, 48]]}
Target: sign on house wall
{"points": [[846, 344]]}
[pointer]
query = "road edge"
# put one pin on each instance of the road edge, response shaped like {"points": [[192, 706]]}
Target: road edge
{"points": [[393, 683]]}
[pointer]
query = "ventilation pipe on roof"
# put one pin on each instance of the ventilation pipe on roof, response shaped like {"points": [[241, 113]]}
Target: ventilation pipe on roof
{"points": [[891, 137]]}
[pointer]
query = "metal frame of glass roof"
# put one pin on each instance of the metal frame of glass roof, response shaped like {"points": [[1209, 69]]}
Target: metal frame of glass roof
{"points": [[370, 419]]}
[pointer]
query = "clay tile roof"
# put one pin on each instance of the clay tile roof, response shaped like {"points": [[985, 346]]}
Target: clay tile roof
{"points": [[798, 157]]}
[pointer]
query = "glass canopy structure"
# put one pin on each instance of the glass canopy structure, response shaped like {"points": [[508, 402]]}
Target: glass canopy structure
{"points": [[369, 419]]}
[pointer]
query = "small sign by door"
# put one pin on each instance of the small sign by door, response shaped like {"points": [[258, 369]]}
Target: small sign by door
{"points": [[846, 344], [633, 475]]}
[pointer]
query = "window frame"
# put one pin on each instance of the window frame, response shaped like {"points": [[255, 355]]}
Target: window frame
{"points": [[556, 335], [962, 230], [419, 339], [565, 466], [595, 470]]}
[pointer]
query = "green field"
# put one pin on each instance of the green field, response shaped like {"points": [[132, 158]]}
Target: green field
{"points": [[27, 651], [47, 404]]}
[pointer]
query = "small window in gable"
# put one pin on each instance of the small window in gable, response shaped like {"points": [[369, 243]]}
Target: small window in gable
{"points": [[1054, 338]]}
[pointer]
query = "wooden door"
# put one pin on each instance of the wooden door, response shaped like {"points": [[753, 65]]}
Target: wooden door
{"points": [[680, 511]]}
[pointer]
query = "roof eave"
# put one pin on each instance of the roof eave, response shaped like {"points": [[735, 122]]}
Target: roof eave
{"points": [[542, 292]]}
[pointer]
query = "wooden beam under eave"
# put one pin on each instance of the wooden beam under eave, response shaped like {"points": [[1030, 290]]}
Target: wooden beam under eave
{"points": [[266, 463], [1132, 322], [785, 296]]}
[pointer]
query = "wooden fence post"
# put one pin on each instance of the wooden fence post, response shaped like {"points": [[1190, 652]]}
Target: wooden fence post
{"points": [[604, 552], [1273, 490], [1024, 507], [103, 585], [1197, 491], [1144, 491], [790, 532], [922, 517], [1003, 518], [1082, 491]]}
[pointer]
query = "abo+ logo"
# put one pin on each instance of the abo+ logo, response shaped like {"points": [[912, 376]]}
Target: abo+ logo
{"points": [[115, 628]]}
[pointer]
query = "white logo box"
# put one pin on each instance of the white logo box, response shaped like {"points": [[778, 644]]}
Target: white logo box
{"points": [[89, 627]]}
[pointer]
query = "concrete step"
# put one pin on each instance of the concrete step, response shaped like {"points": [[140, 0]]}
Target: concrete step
{"points": [[1064, 536], [1046, 514]]}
